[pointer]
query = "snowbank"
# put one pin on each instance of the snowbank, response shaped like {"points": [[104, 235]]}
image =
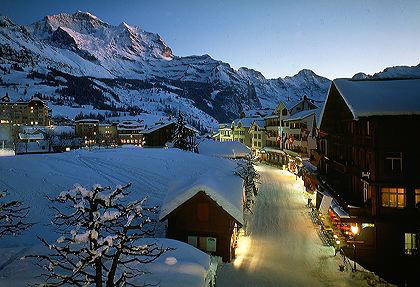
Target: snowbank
{"points": [[183, 266], [223, 149]]}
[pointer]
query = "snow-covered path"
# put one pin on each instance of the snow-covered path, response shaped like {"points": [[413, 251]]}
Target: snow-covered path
{"points": [[283, 248]]}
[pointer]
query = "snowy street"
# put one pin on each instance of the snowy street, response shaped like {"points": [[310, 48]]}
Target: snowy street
{"points": [[283, 248]]}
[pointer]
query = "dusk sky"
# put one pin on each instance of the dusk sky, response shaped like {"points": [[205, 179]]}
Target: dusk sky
{"points": [[278, 38]]}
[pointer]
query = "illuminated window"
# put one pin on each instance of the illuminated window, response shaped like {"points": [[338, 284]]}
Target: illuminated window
{"points": [[417, 194], [411, 245], [393, 197]]}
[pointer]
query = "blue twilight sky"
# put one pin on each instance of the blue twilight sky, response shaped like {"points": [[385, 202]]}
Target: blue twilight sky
{"points": [[334, 38]]}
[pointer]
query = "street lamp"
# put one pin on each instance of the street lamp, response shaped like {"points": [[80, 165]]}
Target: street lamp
{"points": [[354, 229]]}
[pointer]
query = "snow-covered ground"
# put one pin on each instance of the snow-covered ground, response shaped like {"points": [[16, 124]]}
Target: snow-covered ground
{"points": [[185, 265], [223, 149], [283, 248], [151, 171]]}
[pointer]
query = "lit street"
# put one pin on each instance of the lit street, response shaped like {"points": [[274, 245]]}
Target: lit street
{"points": [[283, 248]]}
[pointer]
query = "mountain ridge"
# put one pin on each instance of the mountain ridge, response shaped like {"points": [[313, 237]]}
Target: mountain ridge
{"points": [[122, 65]]}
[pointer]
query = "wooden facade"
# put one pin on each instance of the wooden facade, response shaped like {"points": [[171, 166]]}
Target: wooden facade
{"points": [[159, 136], [371, 163], [201, 222]]}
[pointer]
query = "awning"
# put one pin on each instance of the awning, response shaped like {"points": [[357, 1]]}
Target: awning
{"points": [[268, 149], [333, 203], [292, 153], [309, 166], [339, 210], [325, 204]]}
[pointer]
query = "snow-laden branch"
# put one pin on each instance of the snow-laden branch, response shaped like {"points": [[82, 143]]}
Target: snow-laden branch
{"points": [[99, 242], [245, 169], [13, 216]]}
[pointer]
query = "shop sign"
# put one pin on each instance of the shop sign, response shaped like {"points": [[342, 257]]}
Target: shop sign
{"points": [[366, 174]]}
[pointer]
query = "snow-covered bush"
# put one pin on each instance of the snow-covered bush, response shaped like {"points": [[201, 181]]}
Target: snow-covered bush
{"points": [[12, 216], [99, 238], [245, 170]]}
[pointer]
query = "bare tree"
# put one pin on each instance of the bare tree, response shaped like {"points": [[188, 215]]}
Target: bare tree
{"points": [[245, 169], [100, 241], [13, 216]]}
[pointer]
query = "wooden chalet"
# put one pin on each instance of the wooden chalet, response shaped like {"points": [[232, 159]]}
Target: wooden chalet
{"points": [[206, 213], [161, 133], [370, 158]]}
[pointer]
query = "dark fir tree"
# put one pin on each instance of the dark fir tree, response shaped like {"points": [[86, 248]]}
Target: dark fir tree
{"points": [[100, 239], [183, 137]]}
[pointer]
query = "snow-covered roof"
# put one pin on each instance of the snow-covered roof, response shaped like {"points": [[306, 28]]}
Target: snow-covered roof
{"points": [[271, 117], [130, 126], [63, 129], [223, 149], [380, 97], [291, 103], [87, 121], [164, 124], [159, 126], [246, 122], [275, 150], [226, 189], [309, 166], [32, 136], [260, 123], [303, 114], [257, 112]]}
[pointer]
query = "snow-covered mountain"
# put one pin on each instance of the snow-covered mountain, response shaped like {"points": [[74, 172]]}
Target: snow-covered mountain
{"points": [[78, 59], [397, 72]]}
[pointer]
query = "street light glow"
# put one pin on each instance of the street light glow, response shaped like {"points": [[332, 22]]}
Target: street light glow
{"points": [[354, 229]]}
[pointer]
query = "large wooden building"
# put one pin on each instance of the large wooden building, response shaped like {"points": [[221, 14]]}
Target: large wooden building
{"points": [[131, 132], [32, 112], [206, 213], [370, 161], [162, 132]]}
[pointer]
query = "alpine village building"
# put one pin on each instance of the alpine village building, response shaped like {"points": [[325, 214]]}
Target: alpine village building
{"points": [[354, 150], [370, 166], [32, 112], [206, 212]]}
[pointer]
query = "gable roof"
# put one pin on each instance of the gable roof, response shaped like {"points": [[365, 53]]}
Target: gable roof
{"points": [[160, 125], [260, 123], [225, 189], [306, 113], [380, 97], [257, 112], [246, 122]]}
